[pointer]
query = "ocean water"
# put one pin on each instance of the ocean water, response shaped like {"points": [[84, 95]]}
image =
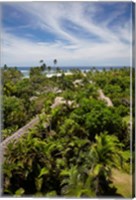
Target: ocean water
{"points": [[26, 70]]}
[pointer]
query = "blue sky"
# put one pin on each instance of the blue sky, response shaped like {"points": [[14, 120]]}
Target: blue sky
{"points": [[75, 33]]}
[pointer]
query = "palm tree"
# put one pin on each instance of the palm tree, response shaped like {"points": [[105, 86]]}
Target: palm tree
{"points": [[55, 61], [49, 68], [5, 67], [41, 61], [43, 65], [104, 154], [76, 183]]}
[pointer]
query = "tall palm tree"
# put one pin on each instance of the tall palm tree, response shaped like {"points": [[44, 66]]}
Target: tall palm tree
{"points": [[49, 68], [55, 61], [104, 154], [41, 61], [43, 65]]}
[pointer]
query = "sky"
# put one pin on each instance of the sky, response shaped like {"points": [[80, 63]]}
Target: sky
{"points": [[74, 33]]}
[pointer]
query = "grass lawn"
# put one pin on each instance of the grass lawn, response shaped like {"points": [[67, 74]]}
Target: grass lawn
{"points": [[123, 182]]}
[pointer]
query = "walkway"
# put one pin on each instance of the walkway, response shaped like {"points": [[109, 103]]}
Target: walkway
{"points": [[19, 133], [24, 129]]}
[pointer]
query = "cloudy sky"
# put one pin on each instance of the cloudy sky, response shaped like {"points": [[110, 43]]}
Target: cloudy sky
{"points": [[75, 33]]}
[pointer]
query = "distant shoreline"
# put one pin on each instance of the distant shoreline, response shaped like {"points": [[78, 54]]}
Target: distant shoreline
{"points": [[67, 70]]}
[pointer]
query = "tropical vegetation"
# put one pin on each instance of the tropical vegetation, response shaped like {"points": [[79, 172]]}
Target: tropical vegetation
{"points": [[78, 141]]}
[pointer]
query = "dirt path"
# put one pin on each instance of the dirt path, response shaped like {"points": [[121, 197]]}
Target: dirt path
{"points": [[19, 133], [107, 99]]}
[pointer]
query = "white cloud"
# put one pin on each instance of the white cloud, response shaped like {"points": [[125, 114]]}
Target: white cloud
{"points": [[78, 50]]}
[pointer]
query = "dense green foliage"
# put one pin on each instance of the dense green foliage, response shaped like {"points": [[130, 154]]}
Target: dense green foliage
{"points": [[72, 150]]}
